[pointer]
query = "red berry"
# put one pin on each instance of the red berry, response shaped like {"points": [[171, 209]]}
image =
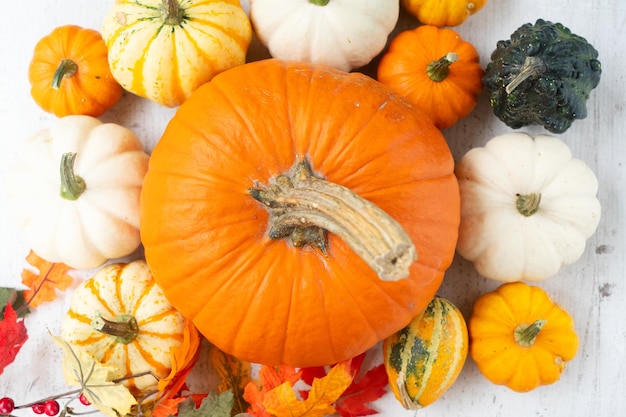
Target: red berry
{"points": [[38, 408], [83, 400], [6, 405], [51, 408]]}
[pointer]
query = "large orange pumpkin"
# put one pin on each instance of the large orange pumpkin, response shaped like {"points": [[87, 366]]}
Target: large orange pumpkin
{"points": [[235, 245]]}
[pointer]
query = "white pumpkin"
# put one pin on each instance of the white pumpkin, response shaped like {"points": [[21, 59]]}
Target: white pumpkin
{"points": [[74, 191], [527, 207], [345, 34], [122, 318]]}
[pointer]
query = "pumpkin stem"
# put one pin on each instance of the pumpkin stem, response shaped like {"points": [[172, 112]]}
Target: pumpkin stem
{"points": [[124, 328], [438, 70], [172, 13], [304, 207], [319, 2], [528, 204], [72, 186], [526, 334], [66, 69], [533, 66]]}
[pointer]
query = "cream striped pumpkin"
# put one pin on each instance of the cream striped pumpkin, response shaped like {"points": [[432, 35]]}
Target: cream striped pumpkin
{"points": [[425, 358], [164, 49], [121, 317]]}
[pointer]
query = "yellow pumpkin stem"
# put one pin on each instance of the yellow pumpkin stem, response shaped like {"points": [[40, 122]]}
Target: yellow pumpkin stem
{"points": [[528, 204], [304, 207], [66, 69], [72, 186], [124, 328], [526, 334], [438, 70], [172, 13], [533, 67]]}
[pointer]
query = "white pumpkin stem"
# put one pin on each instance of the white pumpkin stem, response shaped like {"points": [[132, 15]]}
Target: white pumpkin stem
{"points": [[526, 334], [304, 207], [528, 204], [72, 186], [533, 67], [172, 14], [66, 69], [124, 328], [438, 70]]}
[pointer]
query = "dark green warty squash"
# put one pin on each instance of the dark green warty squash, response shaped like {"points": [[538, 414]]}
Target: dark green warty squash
{"points": [[542, 75]]}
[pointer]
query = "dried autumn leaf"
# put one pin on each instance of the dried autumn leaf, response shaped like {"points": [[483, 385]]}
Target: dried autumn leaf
{"points": [[183, 359], [214, 405], [43, 286], [95, 379], [367, 389], [270, 377], [15, 298], [235, 375], [282, 401], [12, 336]]}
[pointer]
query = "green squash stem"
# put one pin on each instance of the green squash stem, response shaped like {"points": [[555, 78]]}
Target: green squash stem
{"points": [[438, 70], [303, 207], [172, 13], [526, 334], [72, 186], [66, 69], [533, 67], [528, 204], [319, 2], [123, 328]]}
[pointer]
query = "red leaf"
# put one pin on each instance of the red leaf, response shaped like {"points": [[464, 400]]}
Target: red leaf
{"points": [[369, 388], [12, 336]]}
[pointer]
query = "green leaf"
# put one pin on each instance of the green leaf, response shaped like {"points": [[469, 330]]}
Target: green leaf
{"points": [[16, 298], [214, 405]]}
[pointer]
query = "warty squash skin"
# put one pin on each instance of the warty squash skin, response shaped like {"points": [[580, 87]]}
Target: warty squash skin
{"points": [[208, 241], [127, 296], [425, 358]]}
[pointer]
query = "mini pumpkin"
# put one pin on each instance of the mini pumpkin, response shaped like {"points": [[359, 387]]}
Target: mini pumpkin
{"points": [[425, 358], [436, 70], [527, 207], [74, 191], [164, 49], [443, 12], [520, 338], [121, 317], [69, 73], [285, 191], [345, 34]]}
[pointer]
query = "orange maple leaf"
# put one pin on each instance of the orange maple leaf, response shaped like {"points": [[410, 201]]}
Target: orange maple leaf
{"points": [[43, 286], [282, 401], [270, 377]]}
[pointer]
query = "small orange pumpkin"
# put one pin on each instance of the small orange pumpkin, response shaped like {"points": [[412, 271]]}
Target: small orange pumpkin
{"points": [[248, 150], [436, 70], [69, 73]]}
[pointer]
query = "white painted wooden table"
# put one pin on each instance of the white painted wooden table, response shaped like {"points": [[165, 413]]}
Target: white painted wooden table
{"points": [[592, 289]]}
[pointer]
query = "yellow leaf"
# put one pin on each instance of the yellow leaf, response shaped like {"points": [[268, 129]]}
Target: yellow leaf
{"points": [[282, 401], [95, 379], [234, 374]]}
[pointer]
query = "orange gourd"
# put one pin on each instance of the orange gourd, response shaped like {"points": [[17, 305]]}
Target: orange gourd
{"points": [[521, 338], [69, 73], [263, 212], [436, 70]]}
